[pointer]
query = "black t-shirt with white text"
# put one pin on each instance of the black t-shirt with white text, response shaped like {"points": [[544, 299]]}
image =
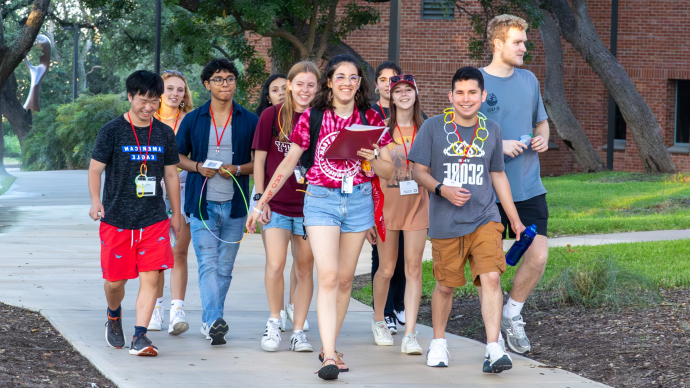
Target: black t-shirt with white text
{"points": [[116, 147]]}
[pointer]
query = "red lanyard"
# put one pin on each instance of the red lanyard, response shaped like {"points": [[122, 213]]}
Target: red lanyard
{"points": [[143, 164], [414, 132], [472, 143], [218, 139], [382, 111]]}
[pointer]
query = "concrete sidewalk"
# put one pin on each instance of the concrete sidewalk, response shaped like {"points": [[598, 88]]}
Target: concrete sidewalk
{"points": [[49, 257]]}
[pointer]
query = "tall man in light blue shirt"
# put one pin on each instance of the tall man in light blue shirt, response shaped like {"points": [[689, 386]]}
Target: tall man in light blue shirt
{"points": [[514, 102]]}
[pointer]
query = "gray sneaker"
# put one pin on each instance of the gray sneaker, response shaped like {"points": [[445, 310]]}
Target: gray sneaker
{"points": [[514, 330]]}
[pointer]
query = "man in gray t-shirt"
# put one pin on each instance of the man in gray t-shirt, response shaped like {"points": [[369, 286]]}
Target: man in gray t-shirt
{"points": [[458, 158], [514, 101]]}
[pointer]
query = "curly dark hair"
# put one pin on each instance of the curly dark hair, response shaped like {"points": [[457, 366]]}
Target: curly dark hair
{"points": [[215, 65], [263, 101], [322, 100]]}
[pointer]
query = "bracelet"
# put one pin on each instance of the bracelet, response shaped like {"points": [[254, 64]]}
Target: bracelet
{"points": [[376, 154], [197, 166], [258, 211]]}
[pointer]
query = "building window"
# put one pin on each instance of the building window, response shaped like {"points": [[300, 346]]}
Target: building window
{"points": [[437, 9], [682, 112], [620, 124]]}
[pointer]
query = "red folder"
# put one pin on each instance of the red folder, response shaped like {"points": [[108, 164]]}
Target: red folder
{"points": [[352, 139]]}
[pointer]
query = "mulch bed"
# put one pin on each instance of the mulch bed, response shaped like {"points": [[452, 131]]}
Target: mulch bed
{"points": [[634, 347], [34, 354]]}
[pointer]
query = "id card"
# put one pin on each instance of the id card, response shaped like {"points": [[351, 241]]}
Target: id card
{"points": [[147, 185], [452, 183], [346, 188], [214, 164], [408, 188], [298, 175]]}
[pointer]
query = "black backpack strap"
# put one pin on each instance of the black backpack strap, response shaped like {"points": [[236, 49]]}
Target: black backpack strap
{"points": [[363, 117], [275, 116], [307, 159]]}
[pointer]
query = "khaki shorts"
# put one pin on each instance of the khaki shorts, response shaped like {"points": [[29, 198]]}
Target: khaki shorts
{"points": [[483, 248]]}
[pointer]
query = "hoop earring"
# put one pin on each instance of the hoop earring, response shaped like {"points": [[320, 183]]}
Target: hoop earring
{"points": [[376, 91]]}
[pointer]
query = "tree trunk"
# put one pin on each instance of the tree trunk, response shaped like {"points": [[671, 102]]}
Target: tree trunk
{"points": [[15, 113], [13, 54], [82, 62], [577, 28], [567, 126], [3, 171]]}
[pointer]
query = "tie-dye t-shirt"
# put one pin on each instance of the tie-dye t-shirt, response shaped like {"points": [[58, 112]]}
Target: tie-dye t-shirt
{"points": [[329, 172]]}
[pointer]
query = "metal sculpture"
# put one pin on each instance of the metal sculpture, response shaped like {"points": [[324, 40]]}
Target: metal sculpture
{"points": [[33, 100]]}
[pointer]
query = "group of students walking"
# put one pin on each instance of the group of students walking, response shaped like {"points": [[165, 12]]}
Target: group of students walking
{"points": [[462, 170]]}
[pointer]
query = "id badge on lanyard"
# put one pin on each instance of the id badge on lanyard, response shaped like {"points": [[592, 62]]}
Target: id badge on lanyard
{"points": [[346, 187], [146, 186], [408, 188]]}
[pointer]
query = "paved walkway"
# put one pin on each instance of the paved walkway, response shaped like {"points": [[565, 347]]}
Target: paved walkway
{"points": [[49, 256]]}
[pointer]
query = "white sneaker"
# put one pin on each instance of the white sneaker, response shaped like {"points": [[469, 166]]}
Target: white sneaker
{"points": [[299, 342], [283, 320], [400, 316], [204, 331], [382, 336], [410, 345], [156, 319], [271, 337], [437, 355], [178, 324], [290, 310], [496, 360]]}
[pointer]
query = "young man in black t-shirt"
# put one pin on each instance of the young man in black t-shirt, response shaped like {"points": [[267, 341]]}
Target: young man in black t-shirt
{"points": [[136, 152]]}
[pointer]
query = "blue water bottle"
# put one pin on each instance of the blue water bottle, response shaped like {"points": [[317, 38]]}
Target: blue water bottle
{"points": [[524, 139], [520, 247]]}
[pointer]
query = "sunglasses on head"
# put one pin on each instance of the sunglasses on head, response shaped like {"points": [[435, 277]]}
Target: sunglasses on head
{"points": [[174, 72], [403, 77]]}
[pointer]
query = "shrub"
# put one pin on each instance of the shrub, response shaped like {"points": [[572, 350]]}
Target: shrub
{"points": [[63, 136], [602, 283], [12, 148]]}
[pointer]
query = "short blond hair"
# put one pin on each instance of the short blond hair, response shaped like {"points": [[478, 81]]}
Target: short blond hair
{"points": [[500, 25]]}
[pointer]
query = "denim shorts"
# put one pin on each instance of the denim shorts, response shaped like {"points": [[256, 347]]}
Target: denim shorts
{"points": [[353, 213], [293, 224]]}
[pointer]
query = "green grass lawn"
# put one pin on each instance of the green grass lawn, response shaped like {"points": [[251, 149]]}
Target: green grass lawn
{"points": [[617, 202], [663, 262], [6, 182]]}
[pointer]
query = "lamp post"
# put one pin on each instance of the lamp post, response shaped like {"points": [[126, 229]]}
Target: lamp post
{"points": [[157, 59], [611, 138], [394, 32]]}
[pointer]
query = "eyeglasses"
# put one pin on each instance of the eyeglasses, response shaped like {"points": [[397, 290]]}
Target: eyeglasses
{"points": [[354, 80], [220, 81], [174, 72], [404, 77]]}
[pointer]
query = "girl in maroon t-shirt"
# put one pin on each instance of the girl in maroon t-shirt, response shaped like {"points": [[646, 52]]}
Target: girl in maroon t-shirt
{"points": [[283, 220], [336, 215]]}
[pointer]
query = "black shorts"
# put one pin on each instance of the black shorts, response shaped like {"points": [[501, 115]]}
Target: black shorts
{"points": [[531, 211]]}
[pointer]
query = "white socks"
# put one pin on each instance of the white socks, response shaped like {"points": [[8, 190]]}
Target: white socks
{"points": [[176, 303], [159, 302], [512, 308]]}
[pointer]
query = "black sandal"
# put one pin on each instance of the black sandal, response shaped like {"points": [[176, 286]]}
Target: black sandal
{"points": [[330, 371]]}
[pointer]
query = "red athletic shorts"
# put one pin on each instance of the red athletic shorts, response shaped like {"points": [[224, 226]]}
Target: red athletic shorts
{"points": [[125, 253]]}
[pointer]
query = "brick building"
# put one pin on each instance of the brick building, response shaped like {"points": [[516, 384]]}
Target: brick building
{"points": [[651, 47]]}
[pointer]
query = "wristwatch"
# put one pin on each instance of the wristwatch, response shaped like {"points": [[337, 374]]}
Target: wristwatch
{"points": [[237, 173], [257, 196], [438, 189]]}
